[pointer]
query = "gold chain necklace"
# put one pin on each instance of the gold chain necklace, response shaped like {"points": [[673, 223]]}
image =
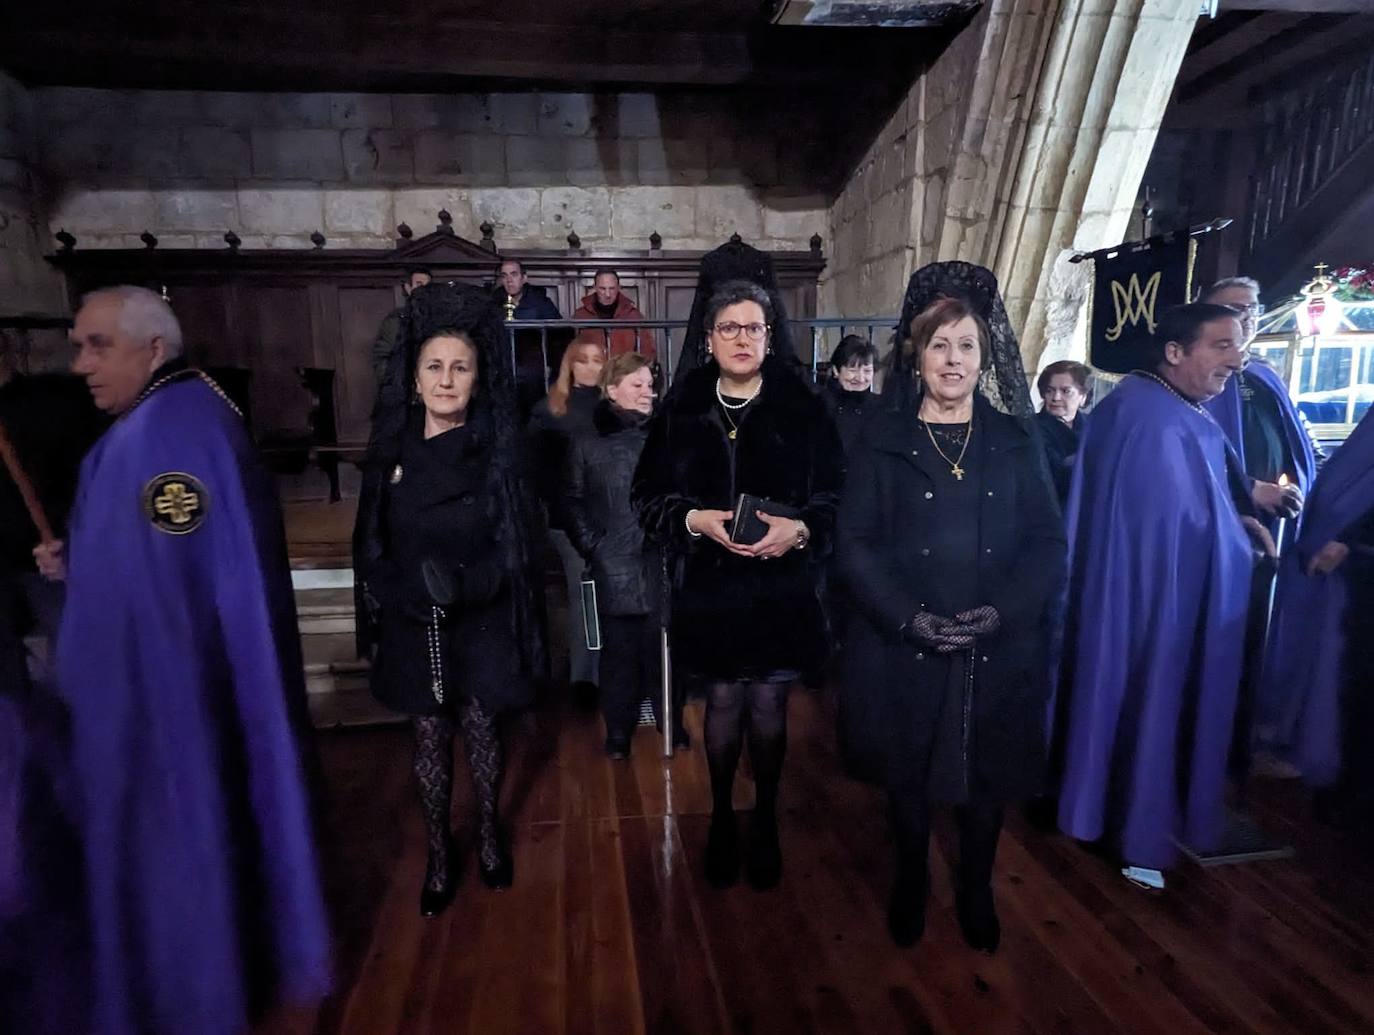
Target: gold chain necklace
{"points": [[726, 407], [954, 467]]}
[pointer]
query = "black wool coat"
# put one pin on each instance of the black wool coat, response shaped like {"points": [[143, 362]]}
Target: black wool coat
{"points": [[550, 443], [1060, 444], [600, 521], [437, 505], [888, 539], [740, 617]]}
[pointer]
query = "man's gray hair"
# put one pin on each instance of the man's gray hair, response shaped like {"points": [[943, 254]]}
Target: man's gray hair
{"points": [[1230, 282], [143, 315]]}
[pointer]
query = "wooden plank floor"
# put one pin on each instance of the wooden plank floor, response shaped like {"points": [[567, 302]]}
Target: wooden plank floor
{"points": [[610, 928]]}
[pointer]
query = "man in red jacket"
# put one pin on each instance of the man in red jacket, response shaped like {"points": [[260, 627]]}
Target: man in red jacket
{"points": [[608, 302]]}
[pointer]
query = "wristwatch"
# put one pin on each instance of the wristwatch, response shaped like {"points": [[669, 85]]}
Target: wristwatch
{"points": [[803, 535]]}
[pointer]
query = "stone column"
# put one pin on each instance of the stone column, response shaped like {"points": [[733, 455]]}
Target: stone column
{"points": [[1027, 136], [27, 284]]}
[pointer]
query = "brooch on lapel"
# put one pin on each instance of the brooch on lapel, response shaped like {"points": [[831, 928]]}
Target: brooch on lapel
{"points": [[176, 503], [396, 475]]}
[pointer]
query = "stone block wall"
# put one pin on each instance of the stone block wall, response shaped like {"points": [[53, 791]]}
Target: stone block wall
{"points": [[191, 165], [27, 286]]}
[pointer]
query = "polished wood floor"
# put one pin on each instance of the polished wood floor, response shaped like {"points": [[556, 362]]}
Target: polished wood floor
{"points": [[610, 928]]}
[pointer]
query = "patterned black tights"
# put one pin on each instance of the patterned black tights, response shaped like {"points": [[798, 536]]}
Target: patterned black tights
{"points": [[434, 774]]}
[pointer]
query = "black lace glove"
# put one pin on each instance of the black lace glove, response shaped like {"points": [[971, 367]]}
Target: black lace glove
{"points": [[981, 621], [926, 629]]}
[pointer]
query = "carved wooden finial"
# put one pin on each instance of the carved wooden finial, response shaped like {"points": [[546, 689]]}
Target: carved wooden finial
{"points": [[574, 242], [149, 241], [405, 231], [735, 238], [317, 239], [233, 241], [488, 235], [655, 241], [815, 243], [66, 240], [445, 222]]}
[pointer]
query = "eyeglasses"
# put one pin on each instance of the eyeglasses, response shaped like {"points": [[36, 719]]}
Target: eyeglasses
{"points": [[730, 330], [1252, 308]]}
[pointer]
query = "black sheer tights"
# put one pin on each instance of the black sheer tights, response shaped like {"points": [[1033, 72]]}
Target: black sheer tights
{"points": [[761, 708], [434, 773]]}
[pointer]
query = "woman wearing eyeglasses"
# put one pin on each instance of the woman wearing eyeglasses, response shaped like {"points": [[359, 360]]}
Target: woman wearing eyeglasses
{"points": [[746, 612]]}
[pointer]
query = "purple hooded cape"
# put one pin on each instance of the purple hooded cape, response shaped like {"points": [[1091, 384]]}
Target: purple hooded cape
{"points": [[1300, 693], [180, 661], [1159, 581], [1225, 408]]}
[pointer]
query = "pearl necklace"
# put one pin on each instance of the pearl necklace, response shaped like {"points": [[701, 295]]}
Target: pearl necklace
{"points": [[720, 397]]}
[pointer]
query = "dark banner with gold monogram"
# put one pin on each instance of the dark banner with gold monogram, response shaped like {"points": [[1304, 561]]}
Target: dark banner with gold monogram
{"points": [[1131, 288]]}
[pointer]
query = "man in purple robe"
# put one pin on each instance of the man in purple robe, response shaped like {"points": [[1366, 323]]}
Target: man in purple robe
{"points": [[1279, 459], [1316, 670], [1159, 579], [180, 662]]}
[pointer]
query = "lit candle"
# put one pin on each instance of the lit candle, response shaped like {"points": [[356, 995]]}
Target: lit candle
{"points": [[1283, 521]]}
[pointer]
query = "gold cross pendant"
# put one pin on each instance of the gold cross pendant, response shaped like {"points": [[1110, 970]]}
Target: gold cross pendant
{"points": [[731, 435], [958, 473]]}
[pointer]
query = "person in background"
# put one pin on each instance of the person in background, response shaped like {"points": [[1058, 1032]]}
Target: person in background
{"points": [[1279, 460], [607, 302], [390, 333], [1159, 583], [536, 352], [628, 570], [1319, 664], [445, 555], [951, 546], [1063, 387], [746, 611], [561, 417], [850, 388]]}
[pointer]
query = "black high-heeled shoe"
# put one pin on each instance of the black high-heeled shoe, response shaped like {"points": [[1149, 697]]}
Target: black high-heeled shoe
{"points": [[978, 918], [433, 902], [501, 875], [722, 851], [763, 863], [906, 909]]}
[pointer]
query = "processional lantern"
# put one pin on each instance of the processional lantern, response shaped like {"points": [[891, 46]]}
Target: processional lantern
{"points": [[1320, 312]]}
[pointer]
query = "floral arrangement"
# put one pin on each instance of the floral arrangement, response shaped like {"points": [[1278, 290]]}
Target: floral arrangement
{"points": [[1353, 284]]}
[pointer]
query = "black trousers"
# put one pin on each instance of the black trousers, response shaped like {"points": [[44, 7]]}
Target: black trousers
{"points": [[631, 669]]}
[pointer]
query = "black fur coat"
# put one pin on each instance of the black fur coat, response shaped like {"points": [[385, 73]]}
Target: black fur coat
{"points": [[739, 617]]}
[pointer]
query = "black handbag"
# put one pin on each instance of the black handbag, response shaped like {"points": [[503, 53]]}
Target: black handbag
{"points": [[748, 528]]}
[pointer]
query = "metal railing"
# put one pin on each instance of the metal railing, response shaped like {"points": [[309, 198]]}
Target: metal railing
{"points": [[819, 335]]}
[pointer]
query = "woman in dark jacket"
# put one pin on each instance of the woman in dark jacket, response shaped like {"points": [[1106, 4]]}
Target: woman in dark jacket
{"points": [[746, 618], [442, 552], [950, 544], [849, 391], [627, 571], [561, 418], [1064, 388]]}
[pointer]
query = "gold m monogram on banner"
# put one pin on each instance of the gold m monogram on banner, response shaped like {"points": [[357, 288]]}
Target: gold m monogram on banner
{"points": [[1134, 304]]}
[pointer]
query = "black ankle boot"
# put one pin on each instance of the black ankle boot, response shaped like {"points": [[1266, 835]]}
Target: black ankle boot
{"points": [[501, 874], [434, 901], [978, 918], [906, 909], [722, 850], [764, 864]]}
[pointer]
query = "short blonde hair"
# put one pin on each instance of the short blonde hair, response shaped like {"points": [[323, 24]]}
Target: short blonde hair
{"points": [[620, 367]]}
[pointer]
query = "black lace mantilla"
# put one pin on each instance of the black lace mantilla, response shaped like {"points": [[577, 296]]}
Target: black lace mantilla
{"points": [[1004, 385]]}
